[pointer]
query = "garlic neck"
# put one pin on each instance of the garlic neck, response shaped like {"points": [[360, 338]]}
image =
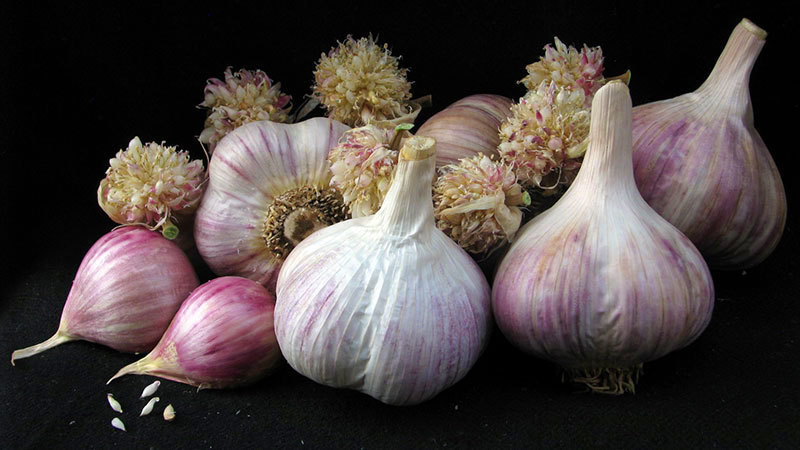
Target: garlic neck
{"points": [[408, 208], [729, 81], [608, 165]]}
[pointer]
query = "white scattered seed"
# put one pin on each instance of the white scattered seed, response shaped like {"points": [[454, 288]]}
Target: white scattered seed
{"points": [[150, 389], [169, 413], [148, 408], [114, 403], [116, 423]]}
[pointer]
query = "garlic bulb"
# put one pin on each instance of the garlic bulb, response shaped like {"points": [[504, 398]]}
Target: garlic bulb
{"points": [[467, 127], [243, 97], [385, 304], [600, 283], [701, 164], [268, 189]]}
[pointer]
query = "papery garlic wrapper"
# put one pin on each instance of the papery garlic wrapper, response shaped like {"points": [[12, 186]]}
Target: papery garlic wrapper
{"points": [[600, 283], [701, 164], [243, 97], [385, 304], [467, 127], [269, 187]]}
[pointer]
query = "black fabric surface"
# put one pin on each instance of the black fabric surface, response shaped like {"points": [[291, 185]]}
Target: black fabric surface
{"points": [[78, 83]]}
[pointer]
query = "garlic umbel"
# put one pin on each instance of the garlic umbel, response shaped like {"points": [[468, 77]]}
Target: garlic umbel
{"points": [[385, 304], [477, 203], [128, 287], [362, 164], [467, 127], [268, 188], [546, 136], [359, 82], [222, 336], [568, 68], [242, 97], [153, 185], [701, 164], [600, 283]]}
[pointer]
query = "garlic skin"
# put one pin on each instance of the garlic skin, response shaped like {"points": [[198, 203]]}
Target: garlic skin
{"points": [[221, 337], [700, 163], [269, 186], [385, 304], [127, 288], [600, 283], [467, 127]]}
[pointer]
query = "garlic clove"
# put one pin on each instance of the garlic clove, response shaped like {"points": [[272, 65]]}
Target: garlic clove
{"points": [[355, 311], [148, 408], [150, 389], [701, 164], [259, 174], [117, 423], [114, 403], [221, 337], [600, 283], [122, 297]]}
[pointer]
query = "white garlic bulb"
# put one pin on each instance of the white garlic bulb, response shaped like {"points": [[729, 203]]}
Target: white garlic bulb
{"points": [[700, 163], [600, 283], [385, 304], [268, 188]]}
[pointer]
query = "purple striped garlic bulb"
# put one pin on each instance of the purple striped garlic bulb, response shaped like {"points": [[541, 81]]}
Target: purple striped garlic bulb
{"points": [[701, 164], [127, 289], [467, 127], [269, 188], [385, 304], [221, 337], [600, 283]]}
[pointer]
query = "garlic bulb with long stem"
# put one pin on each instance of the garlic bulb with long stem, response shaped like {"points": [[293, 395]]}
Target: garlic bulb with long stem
{"points": [[269, 187], [600, 283], [385, 304], [701, 164]]}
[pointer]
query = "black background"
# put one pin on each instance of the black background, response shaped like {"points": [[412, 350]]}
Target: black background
{"points": [[78, 82]]}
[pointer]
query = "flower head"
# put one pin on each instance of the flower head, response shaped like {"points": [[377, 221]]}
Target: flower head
{"points": [[358, 81], [476, 203], [244, 96], [362, 165], [568, 68], [148, 183], [547, 132]]}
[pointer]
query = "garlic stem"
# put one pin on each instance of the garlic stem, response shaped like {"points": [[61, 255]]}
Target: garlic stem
{"points": [[56, 339], [411, 189]]}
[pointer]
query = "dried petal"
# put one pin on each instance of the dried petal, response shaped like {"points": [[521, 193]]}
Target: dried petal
{"points": [[114, 403], [148, 408], [150, 389]]}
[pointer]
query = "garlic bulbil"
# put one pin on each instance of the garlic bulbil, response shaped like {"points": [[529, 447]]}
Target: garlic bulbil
{"points": [[567, 68], [149, 184], [600, 283], [359, 82], [242, 97], [125, 293], [385, 304], [477, 203], [268, 188], [467, 127], [221, 337], [701, 164]]}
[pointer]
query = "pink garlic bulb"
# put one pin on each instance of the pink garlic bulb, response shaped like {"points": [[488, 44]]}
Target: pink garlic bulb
{"points": [[467, 127], [222, 336], [127, 289], [700, 163], [600, 283]]}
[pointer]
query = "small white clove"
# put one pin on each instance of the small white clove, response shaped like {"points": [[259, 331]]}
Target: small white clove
{"points": [[116, 423], [114, 403], [169, 413], [148, 408], [150, 389]]}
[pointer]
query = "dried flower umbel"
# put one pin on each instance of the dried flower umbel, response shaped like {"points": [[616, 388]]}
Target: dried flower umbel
{"points": [[359, 82], [568, 68], [149, 184], [476, 203], [546, 136], [244, 96]]}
